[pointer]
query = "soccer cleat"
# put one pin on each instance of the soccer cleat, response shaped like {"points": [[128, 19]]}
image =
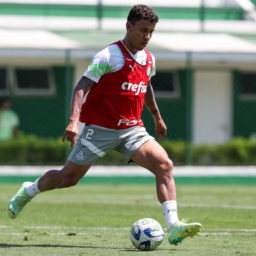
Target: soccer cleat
{"points": [[18, 201], [182, 229]]}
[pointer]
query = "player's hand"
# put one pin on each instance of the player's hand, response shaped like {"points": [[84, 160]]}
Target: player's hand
{"points": [[71, 133], [161, 128]]}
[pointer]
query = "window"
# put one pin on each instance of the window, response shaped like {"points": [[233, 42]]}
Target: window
{"points": [[33, 81], [3, 81], [166, 84], [248, 85]]}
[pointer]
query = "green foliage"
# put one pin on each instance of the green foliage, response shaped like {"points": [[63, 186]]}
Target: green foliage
{"points": [[176, 150], [29, 149], [205, 155], [238, 151]]}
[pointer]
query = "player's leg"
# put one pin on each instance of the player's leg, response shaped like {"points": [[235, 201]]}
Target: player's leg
{"points": [[92, 143], [68, 176], [153, 157]]}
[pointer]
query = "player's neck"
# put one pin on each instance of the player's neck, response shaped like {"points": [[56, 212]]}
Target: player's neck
{"points": [[129, 46]]}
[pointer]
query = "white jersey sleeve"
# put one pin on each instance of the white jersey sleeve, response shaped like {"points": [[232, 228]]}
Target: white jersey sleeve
{"points": [[153, 72], [98, 67], [111, 59]]}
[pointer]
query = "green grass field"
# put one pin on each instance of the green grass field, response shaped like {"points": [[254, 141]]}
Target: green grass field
{"points": [[94, 219]]}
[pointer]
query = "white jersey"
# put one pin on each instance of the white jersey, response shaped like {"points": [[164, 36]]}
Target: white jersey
{"points": [[111, 59]]}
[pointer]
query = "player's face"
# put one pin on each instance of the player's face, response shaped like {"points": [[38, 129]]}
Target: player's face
{"points": [[139, 34], [6, 104]]}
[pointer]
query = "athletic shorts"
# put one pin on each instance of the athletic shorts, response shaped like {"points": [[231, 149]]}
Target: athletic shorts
{"points": [[95, 141]]}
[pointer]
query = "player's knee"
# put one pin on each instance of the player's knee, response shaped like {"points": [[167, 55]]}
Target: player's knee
{"points": [[167, 167]]}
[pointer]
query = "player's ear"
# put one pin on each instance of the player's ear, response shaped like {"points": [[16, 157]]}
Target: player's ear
{"points": [[128, 25]]}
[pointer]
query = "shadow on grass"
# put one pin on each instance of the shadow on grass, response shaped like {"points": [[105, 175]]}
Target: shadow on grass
{"points": [[53, 246], [75, 246], [154, 251]]}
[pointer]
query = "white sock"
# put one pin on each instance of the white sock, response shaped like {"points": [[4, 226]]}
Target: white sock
{"points": [[33, 189], [170, 212]]}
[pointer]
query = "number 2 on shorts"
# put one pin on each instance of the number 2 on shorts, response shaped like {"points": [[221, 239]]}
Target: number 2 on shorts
{"points": [[89, 134]]}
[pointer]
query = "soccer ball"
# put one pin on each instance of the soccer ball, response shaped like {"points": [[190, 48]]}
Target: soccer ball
{"points": [[146, 234]]}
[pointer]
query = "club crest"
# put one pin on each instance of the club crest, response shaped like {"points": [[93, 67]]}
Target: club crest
{"points": [[148, 71]]}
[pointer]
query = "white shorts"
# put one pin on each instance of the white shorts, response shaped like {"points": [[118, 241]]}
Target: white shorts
{"points": [[95, 141]]}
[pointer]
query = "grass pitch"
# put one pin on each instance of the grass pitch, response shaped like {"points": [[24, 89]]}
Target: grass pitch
{"points": [[92, 219]]}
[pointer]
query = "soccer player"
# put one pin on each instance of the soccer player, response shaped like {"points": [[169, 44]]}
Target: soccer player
{"points": [[117, 84]]}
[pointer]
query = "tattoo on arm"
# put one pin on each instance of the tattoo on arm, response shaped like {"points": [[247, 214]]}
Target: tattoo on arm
{"points": [[150, 100], [82, 87], [84, 84], [154, 112]]}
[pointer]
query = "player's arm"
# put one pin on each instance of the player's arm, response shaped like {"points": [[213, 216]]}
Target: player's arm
{"points": [[151, 105], [82, 87]]}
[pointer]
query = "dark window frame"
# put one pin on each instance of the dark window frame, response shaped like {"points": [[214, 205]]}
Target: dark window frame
{"points": [[168, 94], [246, 95], [5, 91], [17, 90]]}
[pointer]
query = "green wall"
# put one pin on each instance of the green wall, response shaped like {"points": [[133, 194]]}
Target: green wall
{"points": [[173, 111], [244, 111], [44, 115], [49, 10], [117, 11]]}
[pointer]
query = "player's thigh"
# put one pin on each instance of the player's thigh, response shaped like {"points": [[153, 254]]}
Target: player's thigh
{"points": [[152, 156], [74, 171]]}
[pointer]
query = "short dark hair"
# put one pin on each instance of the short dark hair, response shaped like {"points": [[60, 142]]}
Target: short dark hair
{"points": [[141, 11]]}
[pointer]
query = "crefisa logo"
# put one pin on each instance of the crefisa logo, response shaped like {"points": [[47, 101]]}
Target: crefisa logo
{"points": [[137, 88]]}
